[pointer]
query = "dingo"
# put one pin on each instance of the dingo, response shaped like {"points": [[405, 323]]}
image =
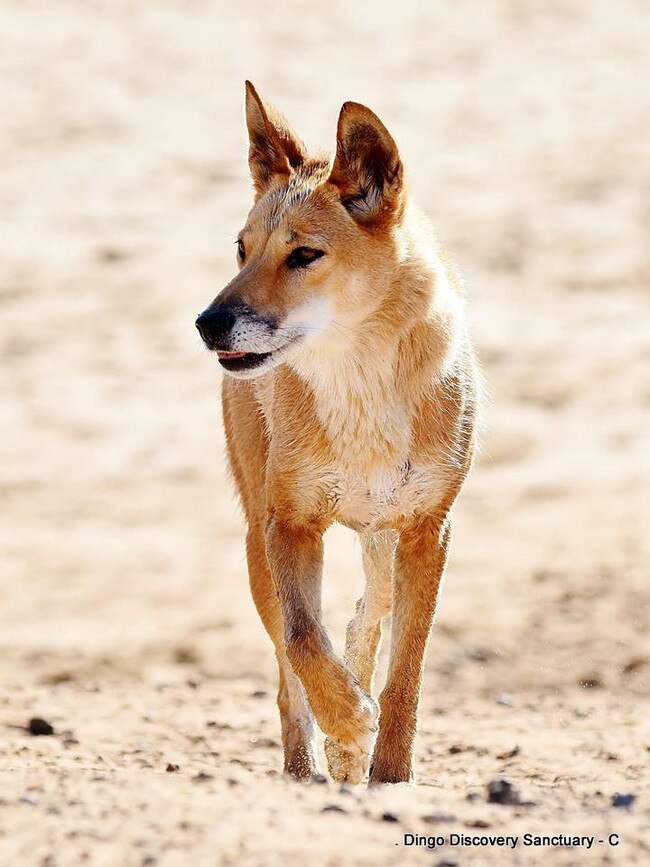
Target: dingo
{"points": [[350, 397]]}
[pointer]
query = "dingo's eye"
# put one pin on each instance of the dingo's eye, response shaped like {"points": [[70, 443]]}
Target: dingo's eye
{"points": [[303, 256], [241, 250]]}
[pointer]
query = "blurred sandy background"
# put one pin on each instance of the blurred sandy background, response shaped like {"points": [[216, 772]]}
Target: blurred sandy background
{"points": [[125, 616]]}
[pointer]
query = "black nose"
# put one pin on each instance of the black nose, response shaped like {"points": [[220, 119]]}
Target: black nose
{"points": [[215, 324]]}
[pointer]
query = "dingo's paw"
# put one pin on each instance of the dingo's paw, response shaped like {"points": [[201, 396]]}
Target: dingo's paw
{"points": [[348, 760], [347, 763]]}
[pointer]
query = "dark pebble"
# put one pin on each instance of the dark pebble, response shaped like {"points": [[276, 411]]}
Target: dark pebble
{"points": [[38, 726], [172, 768], [259, 693], [624, 801], [500, 791], [389, 817], [333, 808]]}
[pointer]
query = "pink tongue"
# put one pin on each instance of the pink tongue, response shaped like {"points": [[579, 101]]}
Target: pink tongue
{"points": [[230, 354]]}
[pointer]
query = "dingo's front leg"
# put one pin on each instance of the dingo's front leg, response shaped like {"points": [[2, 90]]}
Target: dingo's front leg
{"points": [[343, 710], [419, 565], [296, 717], [363, 638]]}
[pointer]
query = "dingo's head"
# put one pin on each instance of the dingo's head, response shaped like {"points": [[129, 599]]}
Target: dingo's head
{"points": [[317, 249]]}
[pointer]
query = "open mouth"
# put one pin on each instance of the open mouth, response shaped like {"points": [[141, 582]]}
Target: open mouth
{"points": [[239, 361], [242, 360]]}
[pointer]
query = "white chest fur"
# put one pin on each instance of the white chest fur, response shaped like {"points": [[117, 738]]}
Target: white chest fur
{"points": [[372, 481], [386, 498], [371, 478], [368, 423]]}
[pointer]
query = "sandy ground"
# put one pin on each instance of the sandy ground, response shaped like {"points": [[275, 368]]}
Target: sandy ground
{"points": [[125, 616]]}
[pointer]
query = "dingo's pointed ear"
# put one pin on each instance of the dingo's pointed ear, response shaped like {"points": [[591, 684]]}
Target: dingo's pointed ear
{"points": [[274, 150], [367, 167]]}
